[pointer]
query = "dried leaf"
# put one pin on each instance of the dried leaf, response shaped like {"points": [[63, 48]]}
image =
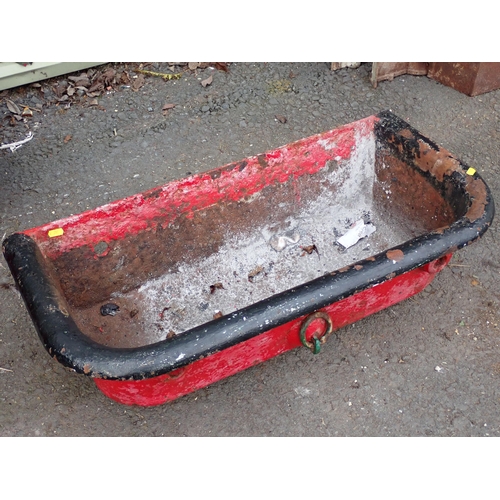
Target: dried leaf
{"points": [[93, 102], [281, 118], [474, 282], [13, 107], [162, 314], [59, 90], [309, 250], [218, 314], [123, 78], [97, 86], [27, 111], [207, 81], [67, 138], [138, 83], [168, 106], [36, 85], [171, 334], [70, 91], [216, 286], [193, 65], [108, 76], [82, 82], [252, 274]]}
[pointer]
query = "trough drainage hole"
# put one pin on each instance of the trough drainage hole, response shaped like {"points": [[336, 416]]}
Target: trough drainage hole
{"points": [[109, 309], [101, 248]]}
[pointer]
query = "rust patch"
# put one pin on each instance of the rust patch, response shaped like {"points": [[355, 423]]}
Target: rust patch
{"points": [[262, 160], [477, 191], [441, 164], [396, 255], [406, 133], [437, 163], [408, 198], [153, 193]]}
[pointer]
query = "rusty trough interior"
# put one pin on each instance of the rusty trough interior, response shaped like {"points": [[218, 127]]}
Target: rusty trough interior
{"points": [[401, 198]]}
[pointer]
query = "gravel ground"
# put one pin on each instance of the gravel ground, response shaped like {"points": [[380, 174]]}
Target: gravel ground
{"points": [[425, 367]]}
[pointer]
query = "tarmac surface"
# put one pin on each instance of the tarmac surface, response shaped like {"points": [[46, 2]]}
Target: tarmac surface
{"points": [[425, 367]]}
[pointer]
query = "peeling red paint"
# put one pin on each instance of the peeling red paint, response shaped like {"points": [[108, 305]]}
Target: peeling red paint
{"points": [[142, 211]]}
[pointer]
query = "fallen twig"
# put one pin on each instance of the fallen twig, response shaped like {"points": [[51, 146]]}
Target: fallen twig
{"points": [[5, 370], [165, 76], [16, 145]]}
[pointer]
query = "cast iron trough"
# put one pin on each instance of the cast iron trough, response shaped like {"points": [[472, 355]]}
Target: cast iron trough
{"points": [[162, 293]]}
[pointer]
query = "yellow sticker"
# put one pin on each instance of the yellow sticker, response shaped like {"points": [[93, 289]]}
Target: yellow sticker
{"points": [[471, 171], [56, 232]]}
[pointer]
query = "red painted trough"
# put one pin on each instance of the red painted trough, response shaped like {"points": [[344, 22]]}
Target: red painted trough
{"points": [[165, 292]]}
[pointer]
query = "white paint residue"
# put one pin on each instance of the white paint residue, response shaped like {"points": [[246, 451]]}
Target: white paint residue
{"points": [[181, 356], [327, 144]]}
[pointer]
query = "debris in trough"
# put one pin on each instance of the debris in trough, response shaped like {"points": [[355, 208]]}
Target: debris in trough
{"points": [[216, 286], [280, 242], [252, 275], [357, 231], [309, 249], [109, 309]]}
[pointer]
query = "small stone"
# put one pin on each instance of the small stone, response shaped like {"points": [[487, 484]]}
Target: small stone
{"points": [[109, 309]]}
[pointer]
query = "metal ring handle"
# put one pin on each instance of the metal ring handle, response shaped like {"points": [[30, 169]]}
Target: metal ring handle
{"points": [[317, 340]]}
